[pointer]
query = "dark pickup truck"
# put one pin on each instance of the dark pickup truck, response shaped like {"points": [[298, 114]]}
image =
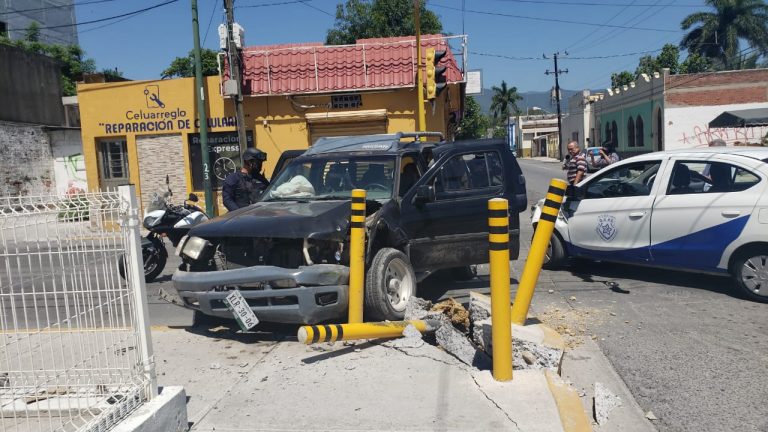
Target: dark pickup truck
{"points": [[288, 254]]}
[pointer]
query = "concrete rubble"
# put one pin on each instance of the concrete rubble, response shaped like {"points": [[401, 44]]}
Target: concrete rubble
{"points": [[531, 339], [604, 402]]}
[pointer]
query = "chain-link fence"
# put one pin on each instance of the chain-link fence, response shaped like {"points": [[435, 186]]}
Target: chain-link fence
{"points": [[74, 348]]}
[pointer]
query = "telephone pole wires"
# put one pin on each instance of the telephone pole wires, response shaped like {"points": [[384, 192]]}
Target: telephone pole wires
{"points": [[235, 74], [557, 73]]}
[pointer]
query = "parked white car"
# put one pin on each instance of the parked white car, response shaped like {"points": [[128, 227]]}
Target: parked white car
{"points": [[699, 210]]}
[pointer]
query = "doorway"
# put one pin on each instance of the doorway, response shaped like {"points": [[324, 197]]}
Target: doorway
{"points": [[113, 163]]}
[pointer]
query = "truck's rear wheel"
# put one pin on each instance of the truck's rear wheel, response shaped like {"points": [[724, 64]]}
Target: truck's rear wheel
{"points": [[390, 283]]}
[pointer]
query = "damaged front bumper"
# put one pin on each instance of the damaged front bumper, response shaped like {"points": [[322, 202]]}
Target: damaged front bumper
{"points": [[317, 293]]}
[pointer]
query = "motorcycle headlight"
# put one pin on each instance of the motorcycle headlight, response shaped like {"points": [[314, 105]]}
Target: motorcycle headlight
{"points": [[194, 247]]}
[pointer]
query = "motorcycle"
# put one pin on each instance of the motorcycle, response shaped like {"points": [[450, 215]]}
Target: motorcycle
{"points": [[164, 219]]}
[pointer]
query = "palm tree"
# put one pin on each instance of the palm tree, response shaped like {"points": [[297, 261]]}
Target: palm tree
{"points": [[717, 34], [504, 102]]}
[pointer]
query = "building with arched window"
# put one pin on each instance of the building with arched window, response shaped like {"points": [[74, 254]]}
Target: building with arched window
{"points": [[665, 112]]}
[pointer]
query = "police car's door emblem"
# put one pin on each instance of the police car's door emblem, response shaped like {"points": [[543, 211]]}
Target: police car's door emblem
{"points": [[606, 227]]}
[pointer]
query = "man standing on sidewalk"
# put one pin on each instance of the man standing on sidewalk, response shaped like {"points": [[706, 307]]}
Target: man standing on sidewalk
{"points": [[575, 163]]}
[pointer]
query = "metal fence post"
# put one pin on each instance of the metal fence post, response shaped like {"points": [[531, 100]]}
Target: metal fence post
{"points": [[135, 279]]}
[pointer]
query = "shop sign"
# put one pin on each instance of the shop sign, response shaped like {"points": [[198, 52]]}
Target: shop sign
{"points": [[223, 154]]}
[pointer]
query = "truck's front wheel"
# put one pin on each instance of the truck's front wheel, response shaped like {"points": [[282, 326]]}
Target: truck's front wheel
{"points": [[390, 283]]}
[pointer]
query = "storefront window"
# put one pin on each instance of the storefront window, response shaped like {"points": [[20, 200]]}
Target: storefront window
{"points": [[223, 154]]}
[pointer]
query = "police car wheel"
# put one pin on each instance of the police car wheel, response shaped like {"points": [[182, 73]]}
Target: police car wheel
{"points": [[555, 257], [751, 273]]}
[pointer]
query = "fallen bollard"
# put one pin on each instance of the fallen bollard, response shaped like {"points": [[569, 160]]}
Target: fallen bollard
{"points": [[342, 332], [498, 245], [357, 257], [539, 244]]}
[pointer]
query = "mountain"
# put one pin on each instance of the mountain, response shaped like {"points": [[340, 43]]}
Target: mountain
{"points": [[540, 99]]}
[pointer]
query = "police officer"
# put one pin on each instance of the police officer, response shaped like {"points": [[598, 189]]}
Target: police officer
{"points": [[244, 187]]}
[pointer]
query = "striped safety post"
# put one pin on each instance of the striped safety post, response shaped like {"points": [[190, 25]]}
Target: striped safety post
{"points": [[357, 256], [313, 334], [498, 251], [539, 246]]}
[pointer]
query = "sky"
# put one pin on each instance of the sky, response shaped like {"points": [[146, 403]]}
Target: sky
{"points": [[507, 39]]}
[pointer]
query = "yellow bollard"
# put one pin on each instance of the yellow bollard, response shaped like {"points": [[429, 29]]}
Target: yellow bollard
{"points": [[538, 250], [341, 332], [498, 245], [357, 256]]}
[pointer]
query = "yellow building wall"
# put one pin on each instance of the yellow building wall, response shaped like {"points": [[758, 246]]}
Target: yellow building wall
{"points": [[126, 109]]}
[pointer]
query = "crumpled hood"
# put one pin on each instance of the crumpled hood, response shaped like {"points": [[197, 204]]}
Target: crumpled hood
{"points": [[327, 220]]}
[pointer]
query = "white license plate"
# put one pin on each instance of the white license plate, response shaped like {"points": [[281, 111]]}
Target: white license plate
{"points": [[243, 313]]}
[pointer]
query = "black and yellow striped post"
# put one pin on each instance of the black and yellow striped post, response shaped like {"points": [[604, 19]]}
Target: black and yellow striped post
{"points": [[357, 256], [498, 245], [539, 245], [342, 332]]}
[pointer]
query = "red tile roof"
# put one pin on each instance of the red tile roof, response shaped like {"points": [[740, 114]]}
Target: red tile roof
{"points": [[316, 68]]}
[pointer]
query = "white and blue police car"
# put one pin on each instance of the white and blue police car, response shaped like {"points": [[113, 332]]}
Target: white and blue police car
{"points": [[700, 210]]}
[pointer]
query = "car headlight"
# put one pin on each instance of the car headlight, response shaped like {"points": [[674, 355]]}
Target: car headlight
{"points": [[194, 247]]}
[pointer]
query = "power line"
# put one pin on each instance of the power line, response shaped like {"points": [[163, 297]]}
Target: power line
{"points": [[136, 12], [634, 21], [499, 14], [595, 3], [210, 20], [272, 4], [611, 56], [306, 3], [598, 29], [504, 56], [55, 7]]}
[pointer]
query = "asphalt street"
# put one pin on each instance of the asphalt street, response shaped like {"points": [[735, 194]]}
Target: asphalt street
{"points": [[690, 349]]}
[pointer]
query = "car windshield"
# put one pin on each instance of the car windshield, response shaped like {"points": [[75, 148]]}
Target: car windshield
{"points": [[334, 178]]}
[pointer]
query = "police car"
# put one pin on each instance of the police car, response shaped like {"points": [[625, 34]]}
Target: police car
{"points": [[699, 210]]}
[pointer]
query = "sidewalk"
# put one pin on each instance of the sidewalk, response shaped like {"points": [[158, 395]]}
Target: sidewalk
{"points": [[241, 382], [265, 381]]}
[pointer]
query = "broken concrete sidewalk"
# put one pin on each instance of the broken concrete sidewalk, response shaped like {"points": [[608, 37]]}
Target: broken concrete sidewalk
{"points": [[534, 346], [365, 386]]}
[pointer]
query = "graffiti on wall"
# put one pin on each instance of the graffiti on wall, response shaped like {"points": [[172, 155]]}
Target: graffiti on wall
{"points": [[702, 135], [73, 169]]}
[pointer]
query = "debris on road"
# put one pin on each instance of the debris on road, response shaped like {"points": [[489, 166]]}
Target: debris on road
{"points": [[417, 308], [215, 366], [604, 403], [456, 313], [649, 415], [573, 324], [412, 338], [457, 344], [529, 358]]}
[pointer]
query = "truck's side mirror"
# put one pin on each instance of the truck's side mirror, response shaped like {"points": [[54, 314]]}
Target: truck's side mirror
{"points": [[424, 194], [193, 197]]}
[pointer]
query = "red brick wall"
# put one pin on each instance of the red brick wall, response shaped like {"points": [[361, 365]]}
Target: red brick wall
{"points": [[722, 88]]}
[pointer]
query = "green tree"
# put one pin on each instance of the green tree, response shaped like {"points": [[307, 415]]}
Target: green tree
{"points": [[717, 34], [504, 104], [32, 33], [182, 67], [695, 63], [622, 78], [473, 124], [361, 19]]}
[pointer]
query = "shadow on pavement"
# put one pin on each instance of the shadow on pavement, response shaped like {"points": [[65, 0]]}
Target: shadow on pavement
{"points": [[608, 273], [438, 285], [229, 330]]}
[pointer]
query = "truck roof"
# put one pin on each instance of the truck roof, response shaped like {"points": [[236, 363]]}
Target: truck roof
{"points": [[379, 143]]}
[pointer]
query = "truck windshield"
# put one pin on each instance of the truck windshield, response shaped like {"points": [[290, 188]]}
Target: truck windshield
{"points": [[334, 178]]}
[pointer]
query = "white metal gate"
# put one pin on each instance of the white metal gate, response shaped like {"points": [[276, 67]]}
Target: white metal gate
{"points": [[75, 353]]}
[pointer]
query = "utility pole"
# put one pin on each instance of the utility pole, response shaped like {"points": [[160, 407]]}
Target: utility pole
{"points": [[421, 112], [203, 117], [557, 73], [234, 72]]}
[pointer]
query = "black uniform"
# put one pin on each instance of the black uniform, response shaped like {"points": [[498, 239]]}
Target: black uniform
{"points": [[241, 190]]}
